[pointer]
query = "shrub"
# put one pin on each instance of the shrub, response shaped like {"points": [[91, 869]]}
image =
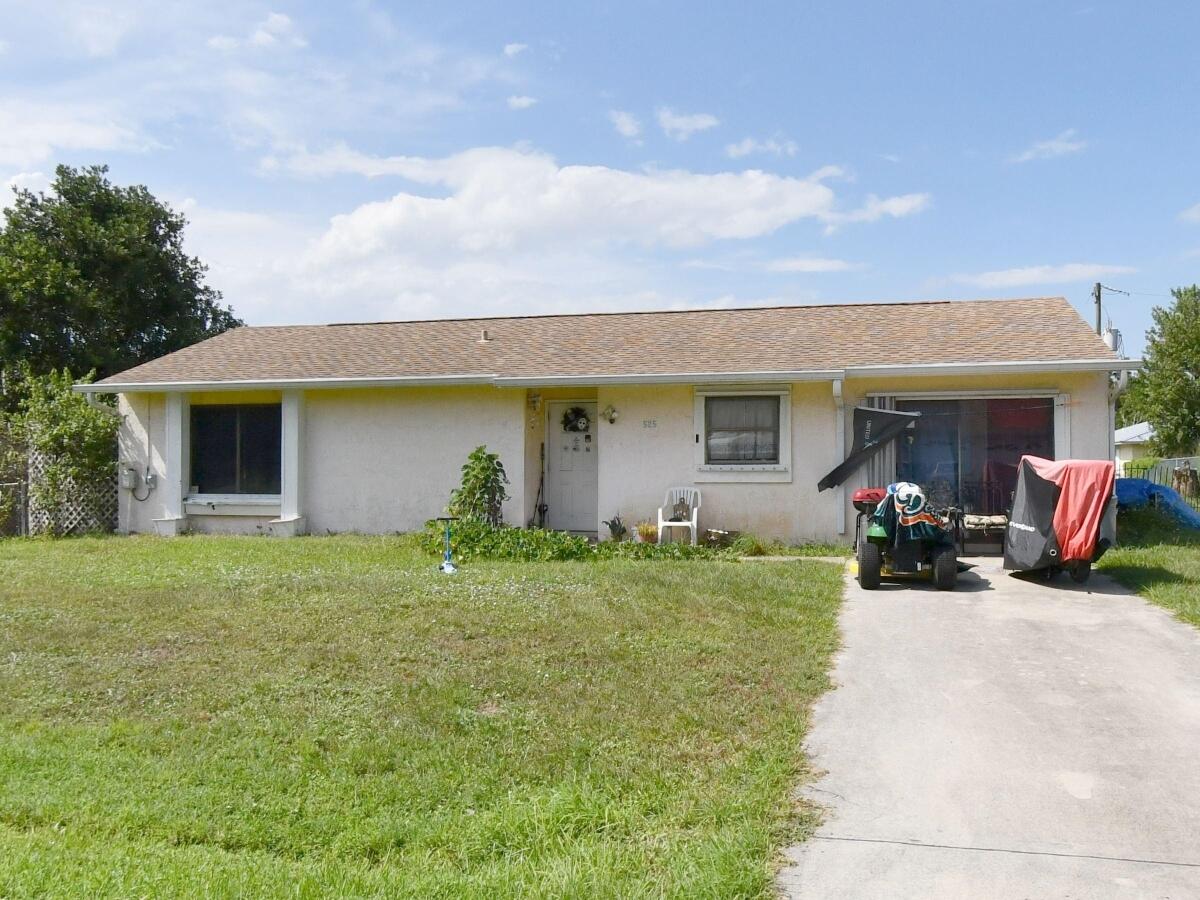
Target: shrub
{"points": [[1143, 463], [480, 495], [75, 442]]}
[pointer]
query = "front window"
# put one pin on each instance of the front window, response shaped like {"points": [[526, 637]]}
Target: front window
{"points": [[236, 449], [741, 430]]}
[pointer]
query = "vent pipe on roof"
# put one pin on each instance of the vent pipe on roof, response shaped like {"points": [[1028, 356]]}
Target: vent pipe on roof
{"points": [[484, 337]]}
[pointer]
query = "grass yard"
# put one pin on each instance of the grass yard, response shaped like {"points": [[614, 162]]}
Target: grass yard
{"points": [[1159, 559], [329, 716]]}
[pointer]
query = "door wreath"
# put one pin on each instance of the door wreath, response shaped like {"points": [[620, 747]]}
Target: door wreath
{"points": [[575, 419]]}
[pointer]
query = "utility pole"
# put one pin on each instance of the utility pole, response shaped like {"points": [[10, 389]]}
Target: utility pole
{"points": [[1096, 297]]}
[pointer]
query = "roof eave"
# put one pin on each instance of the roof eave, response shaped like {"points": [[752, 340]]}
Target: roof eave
{"points": [[142, 387], [749, 377]]}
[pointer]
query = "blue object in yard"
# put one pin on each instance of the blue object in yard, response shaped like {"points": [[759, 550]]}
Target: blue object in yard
{"points": [[447, 566], [1134, 493]]}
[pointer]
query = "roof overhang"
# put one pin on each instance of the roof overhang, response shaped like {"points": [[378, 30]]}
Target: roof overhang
{"points": [[748, 377]]}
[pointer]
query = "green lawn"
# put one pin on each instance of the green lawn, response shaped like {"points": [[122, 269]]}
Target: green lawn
{"points": [[329, 716], [1160, 560]]}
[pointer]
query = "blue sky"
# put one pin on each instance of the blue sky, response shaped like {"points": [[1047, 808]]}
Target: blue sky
{"points": [[383, 160]]}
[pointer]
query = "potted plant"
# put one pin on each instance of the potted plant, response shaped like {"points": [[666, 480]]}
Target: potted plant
{"points": [[647, 532]]}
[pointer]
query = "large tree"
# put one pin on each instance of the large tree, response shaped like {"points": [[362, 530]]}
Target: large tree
{"points": [[1167, 392], [93, 276]]}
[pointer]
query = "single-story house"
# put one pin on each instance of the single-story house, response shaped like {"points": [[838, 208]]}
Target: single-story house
{"points": [[1132, 442], [364, 427]]}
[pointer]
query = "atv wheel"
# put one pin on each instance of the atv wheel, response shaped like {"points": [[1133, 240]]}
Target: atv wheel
{"points": [[1080, 572], [945, 570], [870, 564]]}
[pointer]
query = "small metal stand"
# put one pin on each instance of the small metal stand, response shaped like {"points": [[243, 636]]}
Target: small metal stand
{"points": [[447, 566]]}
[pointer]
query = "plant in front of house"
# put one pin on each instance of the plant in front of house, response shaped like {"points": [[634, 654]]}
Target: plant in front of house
{"points": [[616, 528], [647, 532], [475, 540], [481, 494], [73, 443]]}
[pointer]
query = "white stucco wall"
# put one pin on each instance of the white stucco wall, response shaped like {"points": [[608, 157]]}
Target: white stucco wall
{"points": [[386, 460], [375, 461], [638, 464], [652, 448], [140, 442]]}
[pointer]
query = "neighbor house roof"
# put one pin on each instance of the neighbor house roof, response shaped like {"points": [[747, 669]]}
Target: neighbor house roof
{"points": [[715, 344], [1141, 433]]}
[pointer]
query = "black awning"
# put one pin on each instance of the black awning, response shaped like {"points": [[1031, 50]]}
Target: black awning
{"points": [[873, 430]]}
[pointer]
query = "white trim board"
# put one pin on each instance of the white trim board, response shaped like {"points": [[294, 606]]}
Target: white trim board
{"points": [[849, 372]]}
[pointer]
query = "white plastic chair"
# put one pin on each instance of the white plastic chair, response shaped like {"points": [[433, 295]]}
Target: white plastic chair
{"points": [[674, 495]]}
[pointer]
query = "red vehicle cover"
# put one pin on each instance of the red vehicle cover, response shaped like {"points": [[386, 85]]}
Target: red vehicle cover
{"points": [[1062, 512]]}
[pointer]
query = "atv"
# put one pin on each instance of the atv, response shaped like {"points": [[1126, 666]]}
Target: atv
{"points": [[904, 539]]}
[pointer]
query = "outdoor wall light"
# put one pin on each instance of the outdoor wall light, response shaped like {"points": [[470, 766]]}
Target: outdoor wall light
{"points": [[610, 414]]}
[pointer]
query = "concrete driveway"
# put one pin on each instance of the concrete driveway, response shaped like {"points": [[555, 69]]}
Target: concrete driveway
{"points": [[1010, 739]]}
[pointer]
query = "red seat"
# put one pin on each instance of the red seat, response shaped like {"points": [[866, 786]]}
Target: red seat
{"points": [[866, 499]]}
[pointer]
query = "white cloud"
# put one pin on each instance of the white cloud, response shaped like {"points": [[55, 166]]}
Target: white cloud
{"points": [[808, 264], [521, 102], [500, 230], [31, 133], [877, 208], [1191, 214], [749, 145], [515, 49], [500, 197], [98, 28], [277, 29], [1064, 274], [680, 126], [626, 124], [1061, 145], [28, 181]]}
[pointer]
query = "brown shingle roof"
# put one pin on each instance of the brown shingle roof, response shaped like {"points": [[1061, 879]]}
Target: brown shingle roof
{"points": [[728, 341]]}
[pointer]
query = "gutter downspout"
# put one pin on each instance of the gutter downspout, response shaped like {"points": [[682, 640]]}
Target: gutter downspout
{"points": [[1118, 383], [93, 401], [839, 452]]}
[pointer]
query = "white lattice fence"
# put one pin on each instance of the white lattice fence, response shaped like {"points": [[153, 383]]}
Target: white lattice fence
{"points": [[87, 507]]}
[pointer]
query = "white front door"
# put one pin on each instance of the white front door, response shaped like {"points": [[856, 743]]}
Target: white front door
{"points": [[571, 470]]}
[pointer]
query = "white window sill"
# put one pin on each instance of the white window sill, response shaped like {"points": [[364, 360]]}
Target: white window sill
{"points": [[232, 505], [748, 467], [743, 474]]}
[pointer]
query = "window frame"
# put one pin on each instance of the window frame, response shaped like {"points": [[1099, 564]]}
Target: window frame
{"points": [[231, 503], [780, 471]]}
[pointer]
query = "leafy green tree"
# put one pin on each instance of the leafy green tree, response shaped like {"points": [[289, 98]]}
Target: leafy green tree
{"points": [[94, 276], [1131, 405], [1167, 392]]}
